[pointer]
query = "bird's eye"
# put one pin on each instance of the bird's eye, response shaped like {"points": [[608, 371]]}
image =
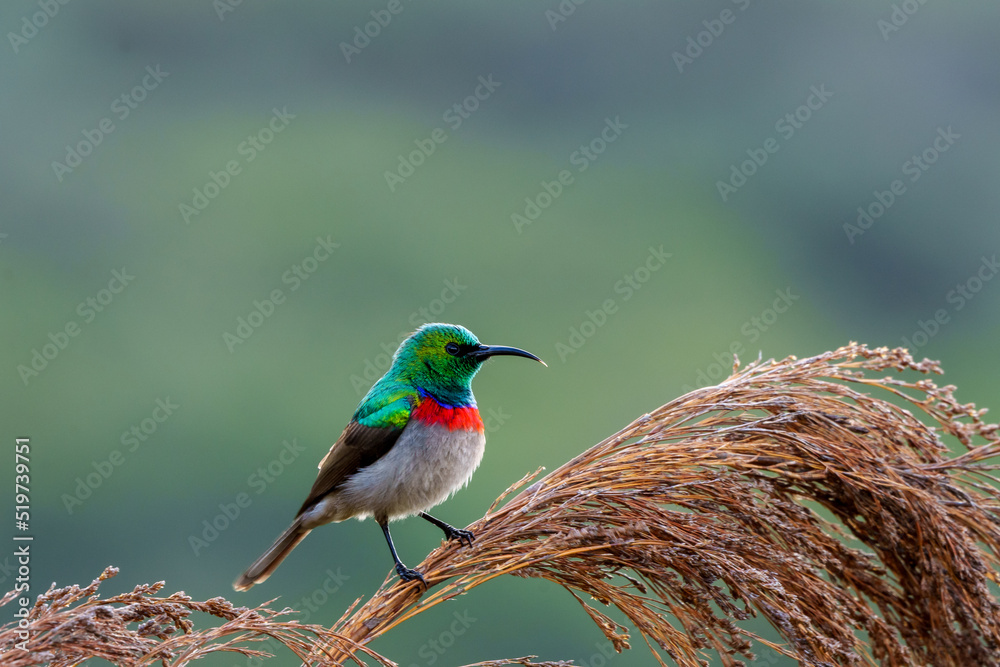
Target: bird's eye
{"points": [[452, 349]]}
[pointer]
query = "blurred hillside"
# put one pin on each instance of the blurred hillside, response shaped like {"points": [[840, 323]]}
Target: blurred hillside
{"points": [[220, 217]]}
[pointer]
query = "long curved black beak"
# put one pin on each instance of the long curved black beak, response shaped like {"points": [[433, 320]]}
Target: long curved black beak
{"points": [[484, 352]]}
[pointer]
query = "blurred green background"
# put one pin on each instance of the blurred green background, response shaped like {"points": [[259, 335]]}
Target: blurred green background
{"points": [[687, 94]]}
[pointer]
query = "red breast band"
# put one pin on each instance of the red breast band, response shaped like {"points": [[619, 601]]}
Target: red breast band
{"points": [[430, 411]]}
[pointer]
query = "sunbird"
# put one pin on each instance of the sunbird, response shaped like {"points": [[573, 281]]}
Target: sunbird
{"points": [[415, 439]]}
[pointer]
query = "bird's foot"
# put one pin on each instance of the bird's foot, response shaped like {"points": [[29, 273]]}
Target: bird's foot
{"points": [[464, 536], [406, 574]]}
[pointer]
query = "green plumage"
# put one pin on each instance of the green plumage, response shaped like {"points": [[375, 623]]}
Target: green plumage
{"points": [[422, 366]]}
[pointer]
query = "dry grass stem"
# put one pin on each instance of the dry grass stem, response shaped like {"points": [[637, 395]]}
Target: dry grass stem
{"points": [[701, 514], [788, 492], [69, 625]]}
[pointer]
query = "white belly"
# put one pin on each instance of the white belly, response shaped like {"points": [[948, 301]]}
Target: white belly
{"points": [[426, 465]]}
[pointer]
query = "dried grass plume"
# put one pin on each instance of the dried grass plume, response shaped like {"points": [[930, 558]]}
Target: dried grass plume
{"points": [[692, 519]]}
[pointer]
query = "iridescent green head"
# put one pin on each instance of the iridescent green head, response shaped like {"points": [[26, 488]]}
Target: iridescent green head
{"points": [[442, 359]]}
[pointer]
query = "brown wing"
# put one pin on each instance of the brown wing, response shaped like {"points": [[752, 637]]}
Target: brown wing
{"points": [[358, 446]]}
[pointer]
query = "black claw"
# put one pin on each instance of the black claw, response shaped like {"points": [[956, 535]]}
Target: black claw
{"points": [[464, 536], [406, 574], [450, 532]]}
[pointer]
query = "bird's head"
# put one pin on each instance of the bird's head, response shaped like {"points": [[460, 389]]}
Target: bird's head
{"points": [[443, 358]]}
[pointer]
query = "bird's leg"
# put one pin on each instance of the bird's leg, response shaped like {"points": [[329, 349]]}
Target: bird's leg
{"points": [[405, 573], [450, 532]]}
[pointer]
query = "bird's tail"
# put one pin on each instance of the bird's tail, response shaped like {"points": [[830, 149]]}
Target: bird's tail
{"points": [[269, 562]]}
